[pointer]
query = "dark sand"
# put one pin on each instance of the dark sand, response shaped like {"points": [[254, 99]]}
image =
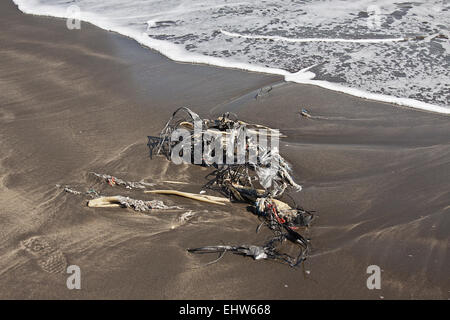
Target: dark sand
{"points": [[72, 102]]}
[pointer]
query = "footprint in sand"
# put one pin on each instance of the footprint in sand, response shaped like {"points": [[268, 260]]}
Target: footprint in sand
{"points": [[47, 256], [6, 116]]}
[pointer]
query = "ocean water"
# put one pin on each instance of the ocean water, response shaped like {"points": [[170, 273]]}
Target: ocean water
{"points": [[390, 51]]}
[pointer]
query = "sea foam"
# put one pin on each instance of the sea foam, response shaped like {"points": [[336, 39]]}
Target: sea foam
{"points": [[196, 32]]}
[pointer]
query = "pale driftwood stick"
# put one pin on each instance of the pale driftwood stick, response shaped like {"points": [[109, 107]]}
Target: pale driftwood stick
{"points": [[175, 182], [193, 196], [105, 202]]}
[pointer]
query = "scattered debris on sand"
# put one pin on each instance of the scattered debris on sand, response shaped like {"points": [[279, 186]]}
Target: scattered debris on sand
{"points": [[263, 92], [245, 169], [69, 190], [112, 181], [304, 113], [256, 252]]}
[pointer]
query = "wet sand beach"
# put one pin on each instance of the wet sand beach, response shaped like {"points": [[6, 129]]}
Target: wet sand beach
{"points": [[80, 101]]}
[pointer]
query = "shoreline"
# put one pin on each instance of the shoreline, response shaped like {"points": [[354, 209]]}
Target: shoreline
{"points": [[304, 76], [74, 102]]}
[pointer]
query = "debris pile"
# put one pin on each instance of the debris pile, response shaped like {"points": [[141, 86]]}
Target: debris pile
{"points": [[238, 150], [246, 169]]}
